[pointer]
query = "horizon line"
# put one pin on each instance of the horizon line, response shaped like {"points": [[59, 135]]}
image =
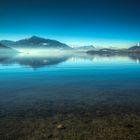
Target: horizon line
{"points": [[109, 43]]}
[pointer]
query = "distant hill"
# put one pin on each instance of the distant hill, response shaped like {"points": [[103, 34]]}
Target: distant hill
{"points": [[132, 50], [4, 50], [135, 48], [105, 51], [3, 46], [36, 42], [89, 47], [7, 42]]}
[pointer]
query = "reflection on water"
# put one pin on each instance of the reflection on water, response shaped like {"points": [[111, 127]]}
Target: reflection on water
{"points": [[69, 82], [35, 61]]}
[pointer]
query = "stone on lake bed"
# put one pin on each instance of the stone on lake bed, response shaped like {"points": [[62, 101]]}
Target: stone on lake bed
{"points": [[129, 126], [60, 126]]}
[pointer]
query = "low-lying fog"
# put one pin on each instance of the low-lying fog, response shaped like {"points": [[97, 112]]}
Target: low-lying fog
{"points": [[45, 52]]}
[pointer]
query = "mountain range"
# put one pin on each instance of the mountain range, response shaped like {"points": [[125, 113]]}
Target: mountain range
{"points": [[38, 42], [108, 51], [35, 42]]}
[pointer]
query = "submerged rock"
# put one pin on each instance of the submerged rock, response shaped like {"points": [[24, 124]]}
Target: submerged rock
{"points": [[60, 126], [129, 126]]}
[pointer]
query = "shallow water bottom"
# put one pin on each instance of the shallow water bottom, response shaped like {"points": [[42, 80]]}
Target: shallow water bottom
{"points": [[71, 126]]}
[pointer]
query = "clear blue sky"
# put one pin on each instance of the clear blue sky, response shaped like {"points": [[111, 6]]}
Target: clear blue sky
{"points": [[76, 22]]}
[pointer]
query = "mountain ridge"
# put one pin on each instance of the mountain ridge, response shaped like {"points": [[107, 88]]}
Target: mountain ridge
{"points": [[36, 42]]}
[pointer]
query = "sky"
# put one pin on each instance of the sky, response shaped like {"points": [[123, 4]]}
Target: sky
{"points": [[107, 23]]}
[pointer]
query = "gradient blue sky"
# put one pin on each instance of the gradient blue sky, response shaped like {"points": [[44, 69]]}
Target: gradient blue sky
{"points": [[75, 22]]}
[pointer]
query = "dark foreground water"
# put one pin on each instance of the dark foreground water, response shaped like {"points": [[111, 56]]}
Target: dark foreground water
{"points": [[79, 84]]}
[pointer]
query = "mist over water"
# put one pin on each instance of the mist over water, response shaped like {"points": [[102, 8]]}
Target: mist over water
{"points": [[46, 57]]}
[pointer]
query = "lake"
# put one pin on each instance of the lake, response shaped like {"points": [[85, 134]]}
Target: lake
{"points": [[81, 84]]}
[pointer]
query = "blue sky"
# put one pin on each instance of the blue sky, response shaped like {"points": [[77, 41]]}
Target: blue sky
{"points": [[113, 23]]}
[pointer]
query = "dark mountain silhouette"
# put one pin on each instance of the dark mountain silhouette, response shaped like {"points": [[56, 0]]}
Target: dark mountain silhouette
{"points": [[36, 42]]}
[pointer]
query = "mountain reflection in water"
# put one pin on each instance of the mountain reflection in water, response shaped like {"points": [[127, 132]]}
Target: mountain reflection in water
{"points": [[33, 61], [48, 60]]}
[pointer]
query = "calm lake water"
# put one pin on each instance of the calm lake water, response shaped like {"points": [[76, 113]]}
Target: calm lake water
{"points": [[34, 85]]}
